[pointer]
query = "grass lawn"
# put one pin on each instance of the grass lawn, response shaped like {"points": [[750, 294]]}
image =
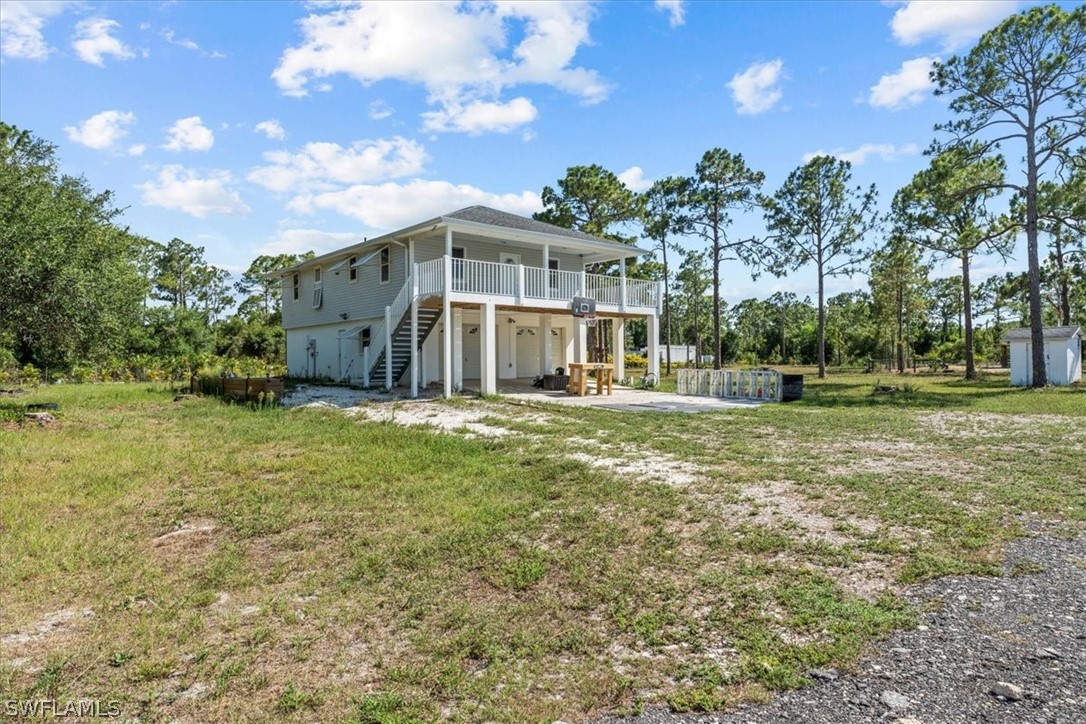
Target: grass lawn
{"points": [[197, 561]]}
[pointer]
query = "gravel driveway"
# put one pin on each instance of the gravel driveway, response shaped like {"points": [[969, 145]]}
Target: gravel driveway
{"points": [[1007, 649]]}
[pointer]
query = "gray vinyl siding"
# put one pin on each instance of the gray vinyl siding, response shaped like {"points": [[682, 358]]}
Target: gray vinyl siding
{"points": [[491, 251], [367, 297]]}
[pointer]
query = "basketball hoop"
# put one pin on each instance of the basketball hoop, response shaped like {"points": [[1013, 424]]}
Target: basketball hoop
{"points": [[585, 308]]}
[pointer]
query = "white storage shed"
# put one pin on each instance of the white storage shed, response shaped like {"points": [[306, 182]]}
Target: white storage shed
{"points": [[1063, 355]]}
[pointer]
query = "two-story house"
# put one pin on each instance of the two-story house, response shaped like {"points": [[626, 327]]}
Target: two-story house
{"points": [[473, 296]]}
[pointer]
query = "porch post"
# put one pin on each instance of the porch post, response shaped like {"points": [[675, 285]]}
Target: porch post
{"points": [[488, 350], [458, 348], [580, 340], [446, 320], [545, 344], [448, 241], [414, 326], [653, 352], [618, 344], [622, 283]]}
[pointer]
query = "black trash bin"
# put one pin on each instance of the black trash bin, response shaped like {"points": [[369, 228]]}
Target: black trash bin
{"points": [[791, 388]]}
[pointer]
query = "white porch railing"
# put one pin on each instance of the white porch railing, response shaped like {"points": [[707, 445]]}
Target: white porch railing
{"points": [[738, 384], [470, 276], [484, 277], [430, 277], [393, 313]]}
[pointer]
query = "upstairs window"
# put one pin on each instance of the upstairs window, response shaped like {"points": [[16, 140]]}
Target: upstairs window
{"points": [[317, 277], [352, 272], [296, 285], [386, 265]]}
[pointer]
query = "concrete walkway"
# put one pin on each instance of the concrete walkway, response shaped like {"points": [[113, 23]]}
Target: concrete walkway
{"points": [[626, 399]]}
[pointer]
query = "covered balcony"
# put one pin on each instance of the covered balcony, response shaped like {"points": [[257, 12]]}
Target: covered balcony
{"points": [[470, 280]]}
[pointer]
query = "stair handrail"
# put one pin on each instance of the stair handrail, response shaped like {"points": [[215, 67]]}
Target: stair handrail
{"points": [[395, 312]]}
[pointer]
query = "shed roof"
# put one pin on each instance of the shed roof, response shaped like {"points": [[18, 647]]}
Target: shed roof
{"points": [[1025, 334]]}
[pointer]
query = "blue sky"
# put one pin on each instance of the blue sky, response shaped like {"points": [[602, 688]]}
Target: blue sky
{"points": [[254, 128]]}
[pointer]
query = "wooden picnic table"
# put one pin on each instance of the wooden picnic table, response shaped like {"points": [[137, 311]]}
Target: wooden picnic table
{"points": [[578, 377]]}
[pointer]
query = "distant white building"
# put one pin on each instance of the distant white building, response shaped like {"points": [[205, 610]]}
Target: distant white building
{"points": [[680, 353], [1063, 355]]}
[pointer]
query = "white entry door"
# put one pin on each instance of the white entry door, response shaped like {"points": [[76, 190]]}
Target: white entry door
{"points": [[527, 351]]}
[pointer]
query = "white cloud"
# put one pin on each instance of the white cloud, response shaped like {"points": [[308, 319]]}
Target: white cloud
{"points": [[187, 43], [392, 205], [675, 11], [21, 24], [321, 166], [94, 41], [757, 89], [955, 23], [102, 130], [459, 52], [635, 180], [185, 190], [858, 157], [380, 110], [272, 129], [909, 86], [299, 241], [481, 117], [189, 134], [136, 149]]}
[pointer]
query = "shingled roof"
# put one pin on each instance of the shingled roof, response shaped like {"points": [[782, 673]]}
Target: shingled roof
{"points": [[493, 217], [1025, 333]]}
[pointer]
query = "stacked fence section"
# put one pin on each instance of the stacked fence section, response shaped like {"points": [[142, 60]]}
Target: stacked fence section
{"points": [[737, 384]]}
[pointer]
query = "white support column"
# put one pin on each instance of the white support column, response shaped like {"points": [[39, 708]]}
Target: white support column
{"points": [[618, 344], [622, 284], [488, 362], [448, 241], [520, 284], [458, 348], [366, 366], [652, 322], [414, 326], [545, 367], [446, 319], [584, 283], [580, 340], [388, 348]]}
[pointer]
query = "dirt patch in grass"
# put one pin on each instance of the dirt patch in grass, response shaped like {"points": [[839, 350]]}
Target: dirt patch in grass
{"points": [[57, 623], [981, 425], [893, 456]]}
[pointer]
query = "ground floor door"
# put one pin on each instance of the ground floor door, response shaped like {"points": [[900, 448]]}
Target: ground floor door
{"points": [[472, 355], [527, 351]]}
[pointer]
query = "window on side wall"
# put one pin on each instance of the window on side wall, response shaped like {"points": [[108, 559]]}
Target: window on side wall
{"points": [[295, 284], [352, 274], [317, 276], [386, 265]]}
